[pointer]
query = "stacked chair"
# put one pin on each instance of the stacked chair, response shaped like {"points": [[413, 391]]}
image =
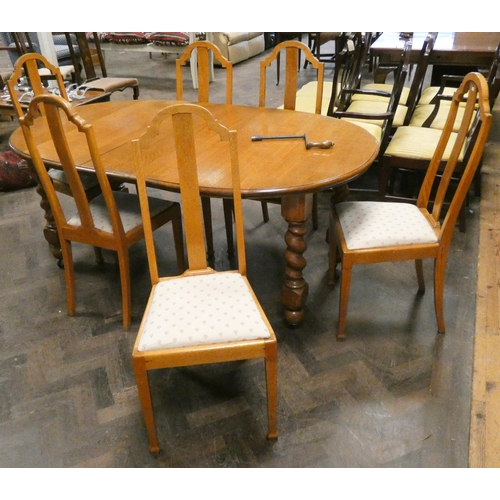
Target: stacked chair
{"points": [[202, 316], [363, 232], [432, 107], [365, 101], [413, 146], [380, 122], [347, 74]]}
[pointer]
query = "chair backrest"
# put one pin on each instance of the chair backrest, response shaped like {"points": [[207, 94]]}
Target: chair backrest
{"points": [[62, 118], [472, 136], [185, 125], [494, 77], [85, 56], [204, 51], [29, 65], [419, 75], [23, 42], [400, 76], [292, 50], [350, 66]]}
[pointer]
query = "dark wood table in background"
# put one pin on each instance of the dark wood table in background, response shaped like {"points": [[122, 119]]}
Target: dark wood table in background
{"points": [[454, 51], [269, 169]]}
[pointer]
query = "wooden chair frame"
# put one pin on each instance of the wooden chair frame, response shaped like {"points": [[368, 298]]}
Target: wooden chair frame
{"points": [[205, 50], [105, 83], [387, 117], [476, 88], [86, 232], [293, 50], [182, 116]]}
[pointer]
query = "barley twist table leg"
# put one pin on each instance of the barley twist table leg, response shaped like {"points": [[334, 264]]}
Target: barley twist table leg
{"points": [[295, 210], [50, 229]]}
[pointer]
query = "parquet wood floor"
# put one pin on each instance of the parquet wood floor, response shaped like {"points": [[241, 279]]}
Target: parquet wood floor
{"points": [[395, 394]]}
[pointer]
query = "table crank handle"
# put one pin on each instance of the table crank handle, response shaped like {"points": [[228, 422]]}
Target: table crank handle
{"points": [[320, 145]]}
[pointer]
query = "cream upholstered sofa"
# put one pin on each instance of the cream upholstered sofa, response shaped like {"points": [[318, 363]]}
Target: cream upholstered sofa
{"points": [[237, 47]]}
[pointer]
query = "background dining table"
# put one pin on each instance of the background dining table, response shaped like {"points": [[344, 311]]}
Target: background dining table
{"points": [[281, 169], [454, 52]]}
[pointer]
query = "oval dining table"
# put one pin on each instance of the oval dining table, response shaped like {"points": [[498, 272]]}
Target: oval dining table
{"points": [[269, 169]]}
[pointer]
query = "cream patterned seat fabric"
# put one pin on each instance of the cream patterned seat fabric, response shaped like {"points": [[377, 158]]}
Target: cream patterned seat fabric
{"points": [[418, 142], [371, 224], [188, 311], [128, 206]]}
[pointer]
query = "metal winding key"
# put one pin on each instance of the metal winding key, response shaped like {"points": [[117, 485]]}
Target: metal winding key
{"points": [[309, 144]]}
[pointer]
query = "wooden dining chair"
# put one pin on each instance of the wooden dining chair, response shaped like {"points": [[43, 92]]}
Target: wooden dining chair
{"points": [[205, 51], [39, 72], [405, 161], [317, 40], [293, 51], [202, 316], [364, 232], [22, 43], [432, 107], [347, 74], [373, 103], [378, 124], [111, 220], [95, 79]]}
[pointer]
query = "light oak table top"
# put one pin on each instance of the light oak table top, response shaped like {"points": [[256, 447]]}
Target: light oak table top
{"points": [[282, 169]]}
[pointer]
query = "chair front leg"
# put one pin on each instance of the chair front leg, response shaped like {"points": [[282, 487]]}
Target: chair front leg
{"points": [[272, 388], [439, 271], [69, 275], [141, 376], [124, 264], [345, 284], [420, 275]]}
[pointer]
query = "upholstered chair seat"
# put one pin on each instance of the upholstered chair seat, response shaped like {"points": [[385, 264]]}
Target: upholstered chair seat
{"points": [[371, 224], [187, 311], [384, 87], [128, 207], [110, 84], [378, 107], [375, 130], [422, 113], [306, 97], [418, 142], [88, 180]]}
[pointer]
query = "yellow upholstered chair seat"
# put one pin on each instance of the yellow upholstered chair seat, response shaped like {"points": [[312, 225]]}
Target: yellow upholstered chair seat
{"points": [[385, 87], [306, 97], [421, 114], [379, 107], [373, 129], [418, 142], [430, 92]]}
